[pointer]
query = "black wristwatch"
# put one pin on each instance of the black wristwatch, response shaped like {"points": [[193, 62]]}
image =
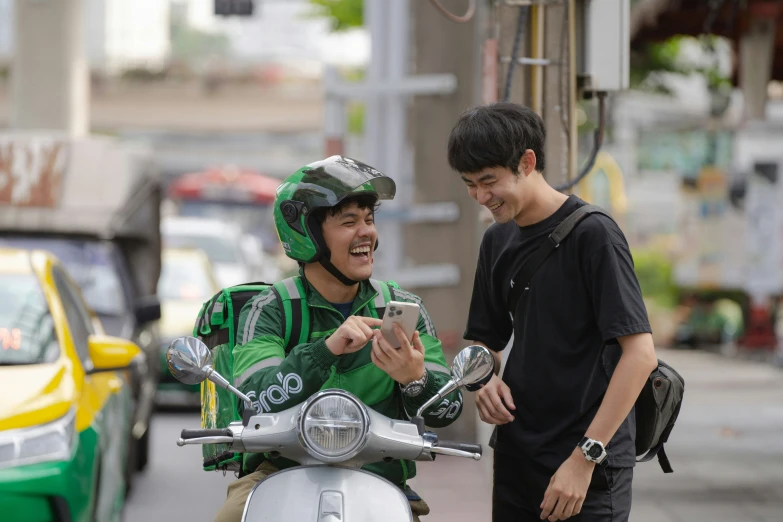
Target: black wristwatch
{"points": [[593, 450]]}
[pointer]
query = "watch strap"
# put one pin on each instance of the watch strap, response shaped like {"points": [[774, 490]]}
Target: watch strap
{"points": [[601, 459], [418, 385]]}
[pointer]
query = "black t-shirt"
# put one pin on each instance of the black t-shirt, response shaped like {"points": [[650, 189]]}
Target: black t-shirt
{"points": [[582, 298]]}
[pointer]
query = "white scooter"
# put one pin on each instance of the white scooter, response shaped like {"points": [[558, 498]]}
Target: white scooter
{"points": [[332, 434]]}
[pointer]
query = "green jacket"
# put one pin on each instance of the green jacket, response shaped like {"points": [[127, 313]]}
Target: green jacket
{"points": [[276, 380]]}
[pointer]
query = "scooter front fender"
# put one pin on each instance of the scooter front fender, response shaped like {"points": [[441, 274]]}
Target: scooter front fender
{"points": [[326, 494]]}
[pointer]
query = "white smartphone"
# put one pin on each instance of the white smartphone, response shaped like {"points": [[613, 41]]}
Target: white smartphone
{"points": [[404, 314]]}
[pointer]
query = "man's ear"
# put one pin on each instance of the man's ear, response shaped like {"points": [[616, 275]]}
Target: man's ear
{"points": [[527, 163]]}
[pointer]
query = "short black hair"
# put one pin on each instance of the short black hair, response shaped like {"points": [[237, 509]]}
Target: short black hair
{"points": [[496, 135], [363, 201]]}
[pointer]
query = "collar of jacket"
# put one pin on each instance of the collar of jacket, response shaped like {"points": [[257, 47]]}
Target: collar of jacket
{"points": [[365, 295]]}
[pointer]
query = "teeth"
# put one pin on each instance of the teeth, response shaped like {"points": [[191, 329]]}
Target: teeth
{"points": [[361, 250], [493, 207]]}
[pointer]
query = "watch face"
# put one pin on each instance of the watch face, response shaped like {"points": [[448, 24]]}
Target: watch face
{"points": [[413, 389], [595, 451]]}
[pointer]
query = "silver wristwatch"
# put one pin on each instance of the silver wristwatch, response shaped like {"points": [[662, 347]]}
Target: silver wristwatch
{"points": [[414, 388]]}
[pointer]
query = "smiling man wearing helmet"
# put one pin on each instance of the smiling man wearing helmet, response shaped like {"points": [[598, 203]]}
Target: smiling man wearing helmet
{"points": [[325, 219]]}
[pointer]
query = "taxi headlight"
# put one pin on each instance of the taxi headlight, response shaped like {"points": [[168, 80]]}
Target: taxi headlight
{"points": [[45, 443], [333, 426]]}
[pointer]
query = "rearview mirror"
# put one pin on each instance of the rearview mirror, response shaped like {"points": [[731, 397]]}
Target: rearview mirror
{"points": [[472, 365], [111, 353], [189, 360]]}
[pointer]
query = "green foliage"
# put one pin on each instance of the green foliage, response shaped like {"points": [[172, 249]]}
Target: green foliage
{"points": [[655, 274], [188, 43], [144, 75], [653, 59], [345, 14], [356, 118]]}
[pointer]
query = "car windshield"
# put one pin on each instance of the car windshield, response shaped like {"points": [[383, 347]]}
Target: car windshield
{"points": [[27, 334], [184, 278], [254, 219], [218, 249], [91, 266]]}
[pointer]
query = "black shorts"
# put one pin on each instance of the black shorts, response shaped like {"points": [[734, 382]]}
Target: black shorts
{"points": [[520, 484]]}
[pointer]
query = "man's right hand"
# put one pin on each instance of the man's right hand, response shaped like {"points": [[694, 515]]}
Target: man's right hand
{"points": [[490, 401], [352, 335]]}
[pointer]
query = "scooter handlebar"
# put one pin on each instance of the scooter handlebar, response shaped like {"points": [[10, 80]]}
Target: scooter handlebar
{"points": [[458, 449], [197, 434], [460, 446]]}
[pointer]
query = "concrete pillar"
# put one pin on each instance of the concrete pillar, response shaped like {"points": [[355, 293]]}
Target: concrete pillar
{"points": [[49, 84], [441, 46], [756, 49], [756, 52]]}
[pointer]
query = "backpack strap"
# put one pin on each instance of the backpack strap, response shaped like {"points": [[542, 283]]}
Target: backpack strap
{"points": [[301, 329], [211, 314], [663, 459], [383, 289], [200, 326], [296, 314], [521, 280]]}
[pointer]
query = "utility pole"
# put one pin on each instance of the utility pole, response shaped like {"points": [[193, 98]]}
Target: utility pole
{"points": [[757, 48], [442, 46], [559, 96], [544, 74], [49, 84], [573, 48]]}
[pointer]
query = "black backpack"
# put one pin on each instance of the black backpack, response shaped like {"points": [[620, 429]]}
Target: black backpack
{"points": [[659, 402]]}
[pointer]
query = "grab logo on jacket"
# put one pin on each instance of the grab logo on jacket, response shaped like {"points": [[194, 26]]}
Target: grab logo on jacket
{"points": [[277, 393], [448, 409]]}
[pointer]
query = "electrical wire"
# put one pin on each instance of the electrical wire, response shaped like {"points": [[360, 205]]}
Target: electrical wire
{"points": [[521, 22], [454, 18], [598, 139]]}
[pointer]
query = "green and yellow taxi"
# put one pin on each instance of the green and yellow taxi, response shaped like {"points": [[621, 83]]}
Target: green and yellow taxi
{"points": [[186, 281], [65, 402]]}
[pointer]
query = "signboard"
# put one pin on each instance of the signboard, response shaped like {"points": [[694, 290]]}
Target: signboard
{"points": [[763, 245], [736, 245], [711, 232], [32, 172]]}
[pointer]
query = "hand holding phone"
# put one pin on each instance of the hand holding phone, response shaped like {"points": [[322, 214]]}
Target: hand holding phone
{"points": [[406, 315]]}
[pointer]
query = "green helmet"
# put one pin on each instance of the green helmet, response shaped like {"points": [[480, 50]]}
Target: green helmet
{"points": [[322, 184]]}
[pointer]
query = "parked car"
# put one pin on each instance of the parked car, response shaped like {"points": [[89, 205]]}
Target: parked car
{"points": [[223, 243], [186, 282], [94, 201], [100, 270], [65, 401]]}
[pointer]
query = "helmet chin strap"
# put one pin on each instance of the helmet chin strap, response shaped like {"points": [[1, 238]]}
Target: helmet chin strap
{"points": [[327, 264], [325, 255]]}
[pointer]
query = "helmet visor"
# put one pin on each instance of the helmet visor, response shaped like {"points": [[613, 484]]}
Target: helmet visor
{"points": [[328, 182]]}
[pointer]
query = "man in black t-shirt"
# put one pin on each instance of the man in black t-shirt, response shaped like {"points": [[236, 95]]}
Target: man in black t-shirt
{"points": [[564, 405]]}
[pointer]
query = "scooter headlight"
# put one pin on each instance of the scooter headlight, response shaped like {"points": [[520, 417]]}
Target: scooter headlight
{"points": [[333, 426]]}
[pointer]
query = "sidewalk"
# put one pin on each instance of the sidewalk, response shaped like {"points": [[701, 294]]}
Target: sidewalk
{"points": [[726, 451]]}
